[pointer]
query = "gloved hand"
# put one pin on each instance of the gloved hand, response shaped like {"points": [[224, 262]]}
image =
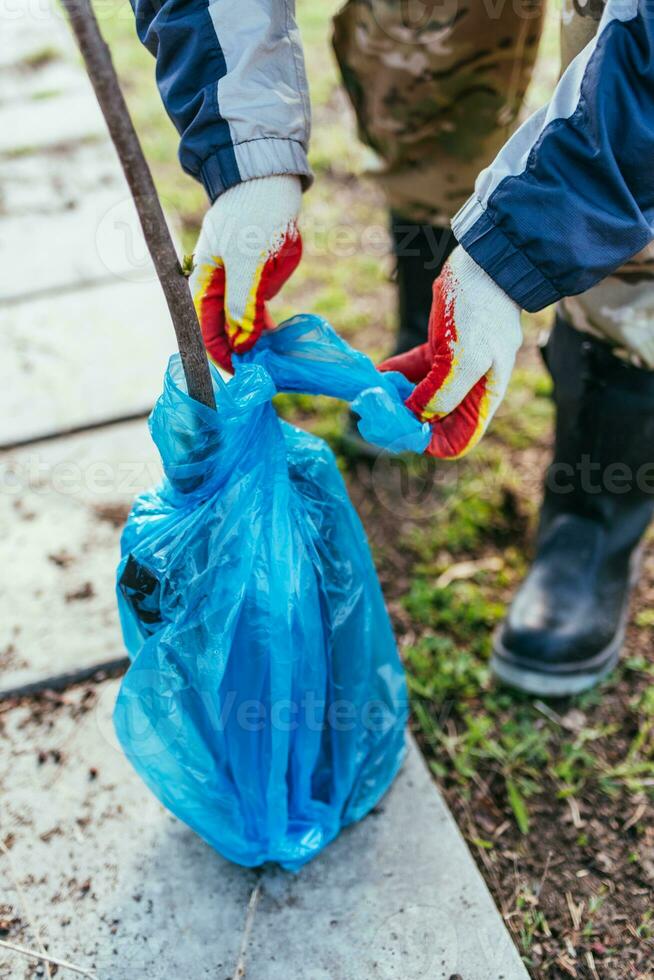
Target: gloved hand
{"points": [[462, 372], [248, 247]]}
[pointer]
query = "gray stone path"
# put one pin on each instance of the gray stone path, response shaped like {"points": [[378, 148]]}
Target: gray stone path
{"points": [[90, 865], [87, 242], [95, 868], [80, 357], [62, 507], [84, 329]]}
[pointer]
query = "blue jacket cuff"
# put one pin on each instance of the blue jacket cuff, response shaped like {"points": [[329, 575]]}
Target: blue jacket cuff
{"points": [[268, 157], [501, 259]]}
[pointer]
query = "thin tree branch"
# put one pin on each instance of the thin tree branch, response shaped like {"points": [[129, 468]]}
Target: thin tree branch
{"points": [[103, 77]]}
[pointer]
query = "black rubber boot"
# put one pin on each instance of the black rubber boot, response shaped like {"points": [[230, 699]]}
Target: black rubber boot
{"points": [[566, 624], [420, 251]]}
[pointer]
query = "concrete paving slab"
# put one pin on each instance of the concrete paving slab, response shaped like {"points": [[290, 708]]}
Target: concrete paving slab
{"points": [[51, 79], [82, 357], [39, 55], [95, 867], [62, 506], [397, 897], [99, 238], [33, 34], [52, 182], [29, 127], [43, 86], [98, 871]]}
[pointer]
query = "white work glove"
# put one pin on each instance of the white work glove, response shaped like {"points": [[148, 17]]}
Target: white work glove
{"points": [[462, 372], [248, 247]]}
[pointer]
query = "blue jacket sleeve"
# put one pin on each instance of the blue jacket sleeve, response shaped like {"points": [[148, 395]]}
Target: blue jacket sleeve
{"points": [[570, 197], [231, 76]]}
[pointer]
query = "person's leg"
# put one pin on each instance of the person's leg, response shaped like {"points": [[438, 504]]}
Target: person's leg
{"points": [[565, 627], [566, 623], [436, 88], [620, 310], [420, 251]]}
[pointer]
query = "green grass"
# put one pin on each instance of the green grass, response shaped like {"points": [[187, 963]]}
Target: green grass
{"points": [[474, 730], [471, 729], [44, 94]]}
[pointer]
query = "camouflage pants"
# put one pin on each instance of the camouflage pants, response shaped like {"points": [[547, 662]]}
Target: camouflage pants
{"points": [[437, 87]]}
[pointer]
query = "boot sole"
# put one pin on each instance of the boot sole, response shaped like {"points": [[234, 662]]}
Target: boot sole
{"points": [[582, 676], [535, 681]]}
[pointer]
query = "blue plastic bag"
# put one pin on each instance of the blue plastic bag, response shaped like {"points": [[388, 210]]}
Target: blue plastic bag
{"points": [[265, 704]]}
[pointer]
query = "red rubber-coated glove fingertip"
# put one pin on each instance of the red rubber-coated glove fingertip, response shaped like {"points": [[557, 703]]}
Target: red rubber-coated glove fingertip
{"points": [[455, 433], [413, 364]]}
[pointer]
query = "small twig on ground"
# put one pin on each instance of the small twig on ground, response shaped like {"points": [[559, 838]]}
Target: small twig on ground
{"points": [[48, 960], [574, 910], [467, 569], [502, 829], [239, 971], [544, 874], [590, 959], [575, 813], [548, 712], [635, 817]]}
